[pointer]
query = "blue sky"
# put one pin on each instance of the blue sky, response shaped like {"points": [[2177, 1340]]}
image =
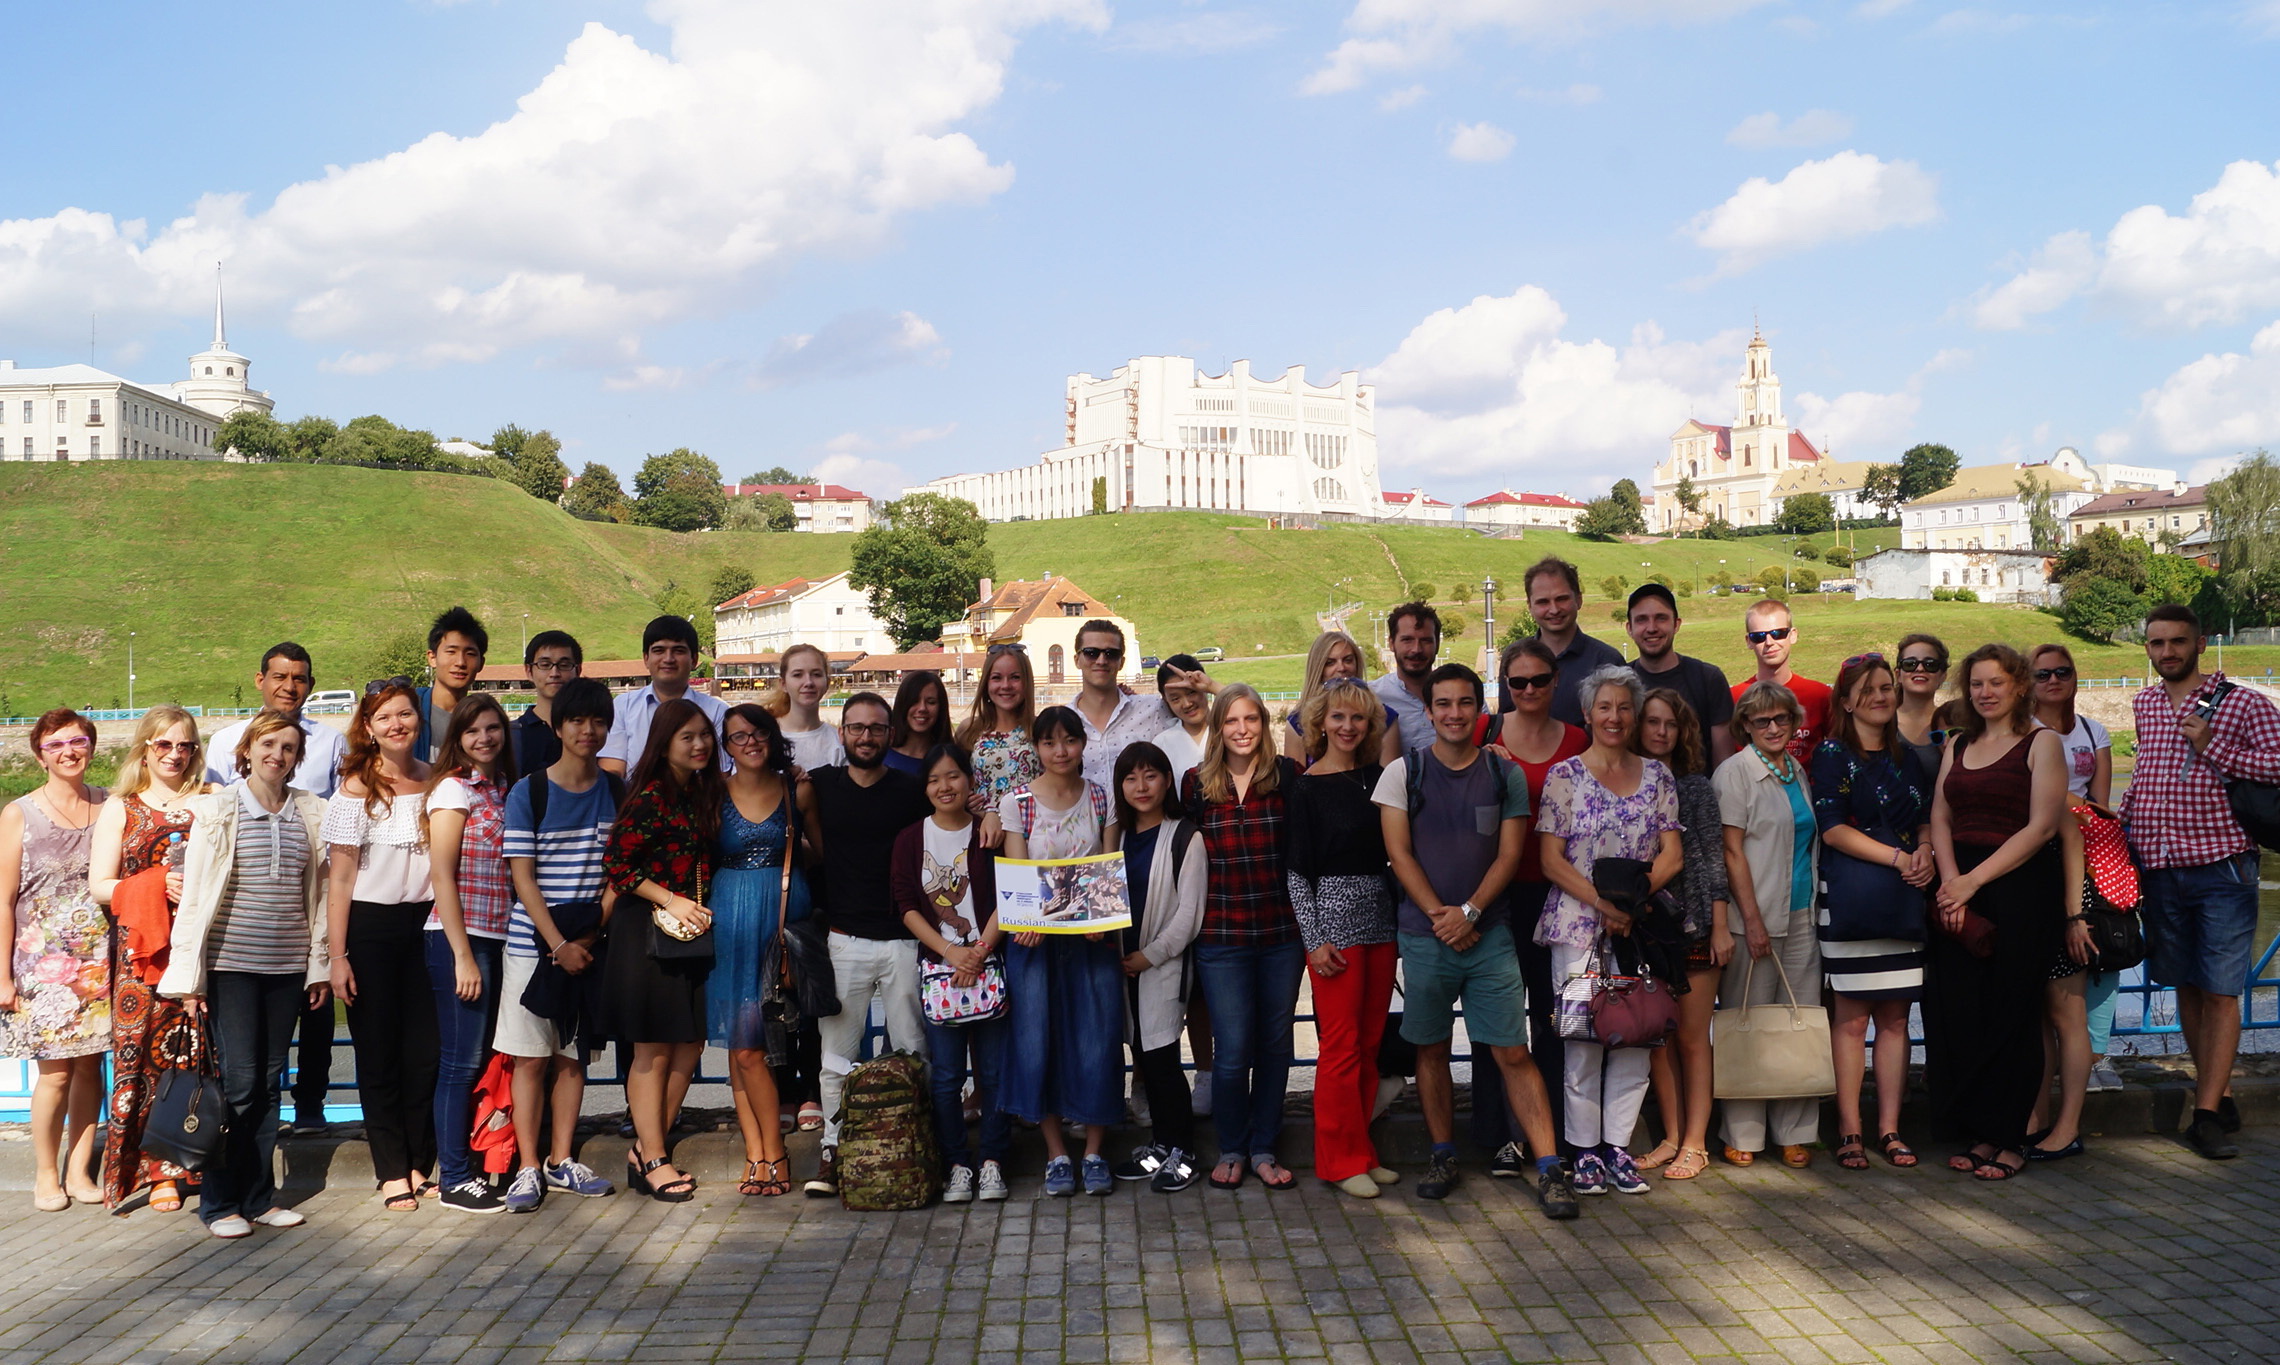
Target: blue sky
{"points": [[871, 239]]}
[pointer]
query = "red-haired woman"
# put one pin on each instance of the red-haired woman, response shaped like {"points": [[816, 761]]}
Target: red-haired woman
{"points": [[377, 905], [659, 862]]}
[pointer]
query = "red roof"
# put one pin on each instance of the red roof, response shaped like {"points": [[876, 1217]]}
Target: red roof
{"points": [[797, 492], [760, 596], [1801, 451], [1725, 435], [1406, 497], [1503, 499]]}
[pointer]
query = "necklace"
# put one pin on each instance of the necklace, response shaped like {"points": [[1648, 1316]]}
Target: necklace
{"points": [[1786, 774]]}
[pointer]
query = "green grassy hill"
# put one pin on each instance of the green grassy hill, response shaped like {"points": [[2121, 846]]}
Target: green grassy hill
{"points": [[208, 564]]}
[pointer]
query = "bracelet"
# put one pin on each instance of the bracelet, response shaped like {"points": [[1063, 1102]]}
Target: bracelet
{"points": [[1896, 857]]}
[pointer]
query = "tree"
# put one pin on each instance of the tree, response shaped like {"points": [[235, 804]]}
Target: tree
{"points": [[596, 496], [539, 470], [2104, 554], [1625, 494], [684, 602], [1614, 585], [1452, 625], [922, 564], [778, 510], [309, 437], [679, 491], [1838, 557], [2040, 502], [1880, 488], [733, 581], [255, 435], [1804, 549], [1926, 469], [508, 441], [399, 654], [2244, 525], [1423, 592], [377, 443], [778, 474], [1100, 497], [1804, 578], [2095, 608], [1805, 514], [1718, 528], [2174, 578], [1604, 519], [1689, 498], [1461, 593], [1773, 581]]}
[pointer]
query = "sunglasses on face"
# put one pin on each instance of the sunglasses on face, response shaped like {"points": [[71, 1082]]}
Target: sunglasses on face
{"points": [[174, 746], [1871, 657], [1923, 664], [1528, 682], [1097, 653], [75, 744], [2064, 673], [1759, 637]]}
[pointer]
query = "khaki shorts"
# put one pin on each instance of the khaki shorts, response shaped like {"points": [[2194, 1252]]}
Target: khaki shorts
{"points": [[520, 1033]]}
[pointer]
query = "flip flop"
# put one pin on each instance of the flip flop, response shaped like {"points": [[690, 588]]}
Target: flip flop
{"points": [[1230, 1163], [1288, 1181]]}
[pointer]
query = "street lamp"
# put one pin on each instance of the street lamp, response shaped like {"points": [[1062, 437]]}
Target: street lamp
{"points": [[526, 632], [130, 670], [1488, 611]]}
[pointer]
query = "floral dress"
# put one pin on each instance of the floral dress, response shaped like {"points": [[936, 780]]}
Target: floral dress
{"points": [[1004, 762], [647, 999], [1596, 823], [150, 1034], [62, 953]]}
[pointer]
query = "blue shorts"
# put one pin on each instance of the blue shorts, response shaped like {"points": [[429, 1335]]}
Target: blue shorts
{"points": [[1486, 976], [2200, 924]]}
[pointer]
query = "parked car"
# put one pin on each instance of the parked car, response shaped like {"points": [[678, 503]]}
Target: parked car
{"points": [[337, 702], [1149, 663], [1210, 654]]}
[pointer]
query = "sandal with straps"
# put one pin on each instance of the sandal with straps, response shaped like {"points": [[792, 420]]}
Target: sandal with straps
{"points": [[165, 1197], [751, 1182], [679, 1191], [1664, 1153], [1851, 1153], [1896, 1152], [779, 1180], [1690, 1162]]}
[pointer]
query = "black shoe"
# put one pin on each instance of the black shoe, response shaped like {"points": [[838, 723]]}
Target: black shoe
{"points": [[1555, 1194], [1440, 1178], [2207, 1135], [1143, 1164], [2228, 1113], [825, 1184], [2037, 1152], [472, 1196], [1510, 1163], [1176, 1172], [308, 1123]]}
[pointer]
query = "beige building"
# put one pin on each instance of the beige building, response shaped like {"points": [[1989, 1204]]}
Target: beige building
{"points": [[1982, 509], [1507, 508], [1042, 617], [2176, 512], [824, 507], [1843, 482], [1736, 469]]}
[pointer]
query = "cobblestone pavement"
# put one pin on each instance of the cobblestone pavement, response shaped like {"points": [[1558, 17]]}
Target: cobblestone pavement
{"points": [[2139, 1252]]}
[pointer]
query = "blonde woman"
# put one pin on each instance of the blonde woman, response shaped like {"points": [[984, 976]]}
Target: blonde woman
{"points": [[1334, 655], [136, 873]]}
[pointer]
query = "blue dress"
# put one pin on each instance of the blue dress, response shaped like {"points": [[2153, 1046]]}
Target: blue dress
{"points": [[745, 894]]}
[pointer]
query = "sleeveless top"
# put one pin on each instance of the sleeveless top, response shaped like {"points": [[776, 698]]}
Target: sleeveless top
{"points": [[749, 847], [1988, 805], [148, 831]]}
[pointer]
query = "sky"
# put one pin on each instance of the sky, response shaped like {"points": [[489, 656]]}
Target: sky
{"points": [[870, 240]]}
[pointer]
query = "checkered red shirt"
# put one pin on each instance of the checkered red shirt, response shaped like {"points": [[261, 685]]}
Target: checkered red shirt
{"points": [[1246, 902], [2175, 808]]}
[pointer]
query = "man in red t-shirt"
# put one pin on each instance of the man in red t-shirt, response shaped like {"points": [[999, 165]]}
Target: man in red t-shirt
{"points": [[1771, 633]]}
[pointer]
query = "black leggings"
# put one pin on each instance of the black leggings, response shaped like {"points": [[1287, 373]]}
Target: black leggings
{"points": [[392, 1024], [1171, 1108]]}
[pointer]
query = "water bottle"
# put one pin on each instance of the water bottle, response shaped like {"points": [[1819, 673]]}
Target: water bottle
{"points": [[176, 851]]}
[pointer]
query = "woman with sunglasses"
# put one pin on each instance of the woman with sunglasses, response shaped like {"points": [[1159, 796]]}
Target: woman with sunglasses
{"points": [[1527, 734], [1772, 864], [55, 958], [135, 833], [2080, 1003], [919, 720], [1921, 666]]}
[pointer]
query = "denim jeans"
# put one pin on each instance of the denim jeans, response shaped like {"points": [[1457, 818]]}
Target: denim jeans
{"points": [[1253, 995], [463, 1030], [948, 1048], [2200, 924], [252, 1018]]}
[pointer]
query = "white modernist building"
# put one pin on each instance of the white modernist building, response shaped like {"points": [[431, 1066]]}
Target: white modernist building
{"points": [[1156, 434], [1737, 470], [77, 412], [826, 613]]}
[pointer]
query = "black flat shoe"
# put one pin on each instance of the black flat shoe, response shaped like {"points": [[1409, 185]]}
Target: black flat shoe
{"points": [[2073, 1148]]}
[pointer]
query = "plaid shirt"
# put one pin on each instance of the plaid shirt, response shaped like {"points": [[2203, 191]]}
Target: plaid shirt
{"points": [[1246, 902], [486, 889], [2175, 807]]}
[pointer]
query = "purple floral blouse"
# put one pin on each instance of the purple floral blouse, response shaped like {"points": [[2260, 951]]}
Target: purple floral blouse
{"points": [[1599, 824]]}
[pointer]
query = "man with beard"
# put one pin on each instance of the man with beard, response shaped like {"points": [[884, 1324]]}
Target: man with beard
{"points": [[1651, 617], [1414, 631], [1555, 595], [2195, 732], [860, 809]]}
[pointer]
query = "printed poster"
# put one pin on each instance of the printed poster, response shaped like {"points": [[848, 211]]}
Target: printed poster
{"points": [[1063, 895]]}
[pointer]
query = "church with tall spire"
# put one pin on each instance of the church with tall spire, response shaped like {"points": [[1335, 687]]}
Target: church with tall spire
{"points": [[71, 413], [1734, 470]]}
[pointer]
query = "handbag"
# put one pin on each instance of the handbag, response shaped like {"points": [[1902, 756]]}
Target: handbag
{"points": [[1862, 900], [1771, 1051], [670, 941], [1600, 1004], [796, 981], [948, 1003], [189, 1113], [2110, 892], [2255, 805]]}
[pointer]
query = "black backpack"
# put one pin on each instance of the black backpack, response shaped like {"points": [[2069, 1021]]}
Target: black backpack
{"points": [[539, 787], [2256, 805]]}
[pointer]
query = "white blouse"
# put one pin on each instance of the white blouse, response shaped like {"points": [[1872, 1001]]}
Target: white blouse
{"points": [[391, 852]]}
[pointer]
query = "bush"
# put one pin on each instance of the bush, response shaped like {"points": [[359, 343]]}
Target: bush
{"points": [[1943, 594], [1966, 595], [1805, 549], [1614, 585], [1773, 581], [1837, 557]]}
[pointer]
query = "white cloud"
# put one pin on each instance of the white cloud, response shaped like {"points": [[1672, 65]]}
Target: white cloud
{"points": [[1402, 35], [1809, 129], [1212, 31], [2220, 404], [1402, 98], [849, 458], [1492, 387], [1879, 9], [629, 188], [1862, 424], [2219, 262], [1480, 142], [851, 344], [1577, 94], [1850, 194]]}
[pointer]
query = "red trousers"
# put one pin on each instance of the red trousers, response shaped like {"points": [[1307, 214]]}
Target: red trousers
{"points": [[1349, 1017]]}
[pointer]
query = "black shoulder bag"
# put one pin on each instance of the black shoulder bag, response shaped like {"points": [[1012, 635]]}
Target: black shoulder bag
{"points": [[2256, 805]]}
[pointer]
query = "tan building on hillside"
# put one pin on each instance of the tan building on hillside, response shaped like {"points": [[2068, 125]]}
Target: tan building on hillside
{"points": [[1843, 482], [1982, 509], [1041, 616], [2148, 514]]}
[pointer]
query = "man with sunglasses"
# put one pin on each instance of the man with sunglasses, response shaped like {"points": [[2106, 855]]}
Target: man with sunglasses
{"points": [[1771, 634], [1114, 715], [1555, 596], [1652, 619], [552, 659]]}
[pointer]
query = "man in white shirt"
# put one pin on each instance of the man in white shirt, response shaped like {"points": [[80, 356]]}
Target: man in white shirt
{"points": [[1113, 716], [1182, 740], [669, 653], [285, 679]]}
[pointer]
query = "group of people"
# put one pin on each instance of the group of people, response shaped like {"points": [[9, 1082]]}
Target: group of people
{"points": [[493, 898]]}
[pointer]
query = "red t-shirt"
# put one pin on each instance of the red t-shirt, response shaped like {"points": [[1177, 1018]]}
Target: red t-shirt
{"points": [[1811, 695], [1573, 742]]}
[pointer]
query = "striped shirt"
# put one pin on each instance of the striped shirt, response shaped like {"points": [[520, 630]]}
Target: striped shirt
{"points": [[568, 851], [486, 892], [261, 924]]}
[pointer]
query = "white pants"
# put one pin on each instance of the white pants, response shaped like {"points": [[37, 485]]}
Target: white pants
{"points": [[864, 969], [1604, 1087], [1794, 1123]]}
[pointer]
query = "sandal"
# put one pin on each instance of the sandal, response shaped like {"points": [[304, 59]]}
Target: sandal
{"points": [[1689, 1163], [430, 1190], [402, 1201], [1228, 1174], [1735, 1156], [1851, 1154], [1969, 1160], [1897, 1152], [166, 1197], [679, 1191], [751, 1182], [1664, 1153], [811, 1117], [1996, 1168], [779, 1180], [1262, 1168], [1797, 1156]]}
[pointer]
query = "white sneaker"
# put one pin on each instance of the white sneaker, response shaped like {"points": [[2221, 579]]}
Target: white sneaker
{"points": [[960, 1190], [1201, 1098], [281, 1218], [2103, 1076], [230, 1227], [991, 1187]]}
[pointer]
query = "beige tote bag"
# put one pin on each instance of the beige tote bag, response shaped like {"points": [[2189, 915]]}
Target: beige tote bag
{"points": [[1771, 1051]]}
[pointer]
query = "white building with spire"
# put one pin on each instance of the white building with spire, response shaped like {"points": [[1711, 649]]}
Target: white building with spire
{"points": [[78, 412], [1736, 470]]}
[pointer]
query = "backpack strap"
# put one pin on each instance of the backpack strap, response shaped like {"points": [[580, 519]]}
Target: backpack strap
{"points": [[1413, 776], [1025, 801], [1099, 795], [539, 788]]}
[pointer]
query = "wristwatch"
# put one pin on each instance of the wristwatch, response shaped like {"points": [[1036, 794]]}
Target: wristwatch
{"points": [[1472, 916]]}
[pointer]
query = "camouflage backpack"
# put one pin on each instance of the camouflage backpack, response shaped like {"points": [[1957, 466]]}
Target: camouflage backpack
{"points": [[887, 1154]]}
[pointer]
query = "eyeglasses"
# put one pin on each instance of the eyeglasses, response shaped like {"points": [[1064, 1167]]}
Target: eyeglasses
{"points": [[1922, 664], [863, 729], [1528, 682], [77, 743], [383, 684], [1759, 637], [2064, 673], [747, 739], [1097, 653], [1780, 720], [1858, 659], [174, 746], [554, 666]]}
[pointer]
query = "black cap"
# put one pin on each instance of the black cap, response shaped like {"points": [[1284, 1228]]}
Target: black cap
{"points": [[1646, 590]]}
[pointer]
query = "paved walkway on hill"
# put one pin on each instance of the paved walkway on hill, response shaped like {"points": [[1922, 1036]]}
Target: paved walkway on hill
{"points": [[2140, 1252]]}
